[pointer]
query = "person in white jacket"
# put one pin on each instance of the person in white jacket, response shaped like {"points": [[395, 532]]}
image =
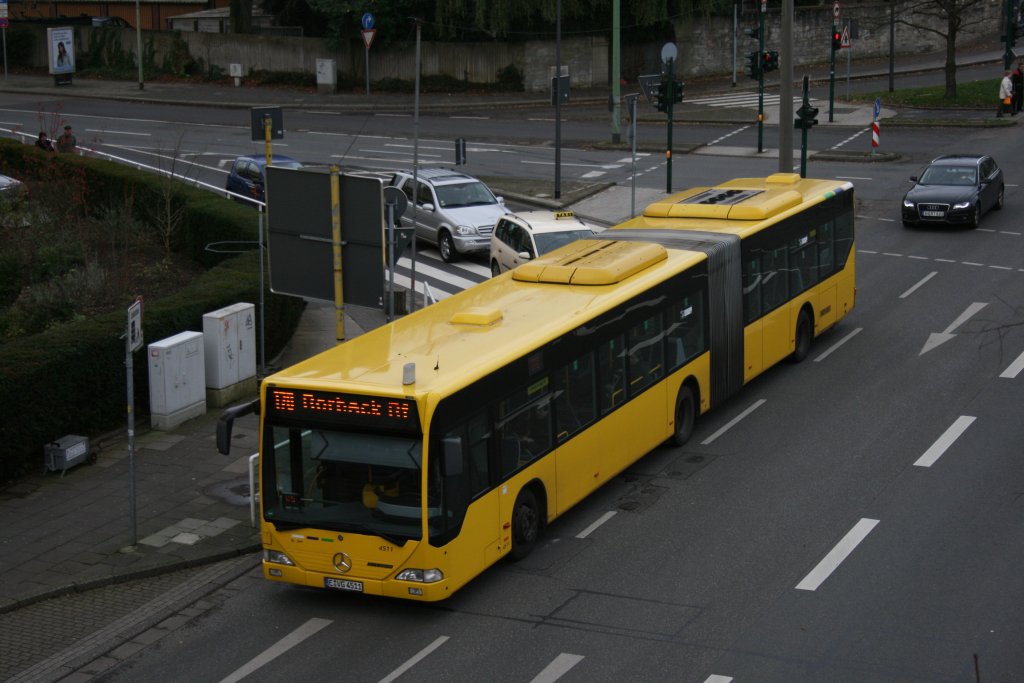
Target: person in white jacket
{"points": [[1005, 94]]}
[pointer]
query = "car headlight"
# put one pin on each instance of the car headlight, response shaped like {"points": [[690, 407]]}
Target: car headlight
{"points": [[465, 230], [277, 557], [961, 205], [908, 204], [421, 575]]}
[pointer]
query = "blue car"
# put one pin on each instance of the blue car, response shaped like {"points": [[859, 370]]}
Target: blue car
{"points": [[247, 177]]}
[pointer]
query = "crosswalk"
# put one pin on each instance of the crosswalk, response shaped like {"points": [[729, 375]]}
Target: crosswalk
{"points": [[743, 100]]}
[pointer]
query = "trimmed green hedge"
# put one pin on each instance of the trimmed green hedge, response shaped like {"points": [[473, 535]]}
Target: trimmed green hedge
{"points": [[70, 379]]}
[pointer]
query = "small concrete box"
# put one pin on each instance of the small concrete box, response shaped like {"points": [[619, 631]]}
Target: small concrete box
{"points": [[177, 392], [66, 452], [326, 75], [229, 338]]}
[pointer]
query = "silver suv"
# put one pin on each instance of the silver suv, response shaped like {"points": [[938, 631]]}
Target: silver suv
{"points": [[455, 211]]}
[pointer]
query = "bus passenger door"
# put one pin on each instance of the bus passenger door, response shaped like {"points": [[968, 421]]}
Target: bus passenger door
{"points": [[776, 336]]}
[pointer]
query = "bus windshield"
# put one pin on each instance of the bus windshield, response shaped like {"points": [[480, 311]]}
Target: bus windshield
{"points": [[344, 481]]}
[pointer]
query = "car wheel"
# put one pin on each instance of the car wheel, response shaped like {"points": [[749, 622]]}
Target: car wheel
{"points": [[804, 334], [1000, 198], [446, 245], [495, 269], [525, 524], [686, 416], [976, 215]]}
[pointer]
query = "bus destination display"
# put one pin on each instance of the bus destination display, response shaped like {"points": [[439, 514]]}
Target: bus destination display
{"points": [[354, 409]]}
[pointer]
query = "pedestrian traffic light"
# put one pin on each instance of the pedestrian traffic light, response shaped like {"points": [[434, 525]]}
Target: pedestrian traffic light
{"points": [[662, 102], [769, 60], [677, 93], [754, 65], [806, 116], [837, 40]]}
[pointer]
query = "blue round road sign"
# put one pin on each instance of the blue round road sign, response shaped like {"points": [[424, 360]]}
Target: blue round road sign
{"points": [[367, 21]]}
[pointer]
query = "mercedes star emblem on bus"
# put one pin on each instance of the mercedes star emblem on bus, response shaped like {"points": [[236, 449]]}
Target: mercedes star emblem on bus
{"points": [[342, 562]]}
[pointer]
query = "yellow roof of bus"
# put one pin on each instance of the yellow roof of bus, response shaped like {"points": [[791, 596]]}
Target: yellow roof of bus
{"points": [[753, 201], [470, 334]]}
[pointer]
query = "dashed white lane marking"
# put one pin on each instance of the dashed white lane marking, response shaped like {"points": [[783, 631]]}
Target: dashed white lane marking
{"points": [[601, 520], [415, 659], [943, 443], [920, 282], [729, 425], [727, 135], [835, 557], [557, 668], [1014, 368], [278, 649], [839, 343]]}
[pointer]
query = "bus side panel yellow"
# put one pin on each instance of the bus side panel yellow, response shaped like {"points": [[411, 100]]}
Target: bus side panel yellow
{"points": [[777, 335], [825, 313], [482, 530], [579, 467], [753, 357]]}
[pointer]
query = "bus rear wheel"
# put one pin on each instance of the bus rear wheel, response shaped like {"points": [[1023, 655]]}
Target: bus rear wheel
{"points": [[686, 416], [804, 334], [525, 524]]}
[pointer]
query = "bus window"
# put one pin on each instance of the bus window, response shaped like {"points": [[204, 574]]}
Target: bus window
{"points": [[524, 427], [612, 368], [685, 331], [844, 238], [825, 251], [774, 285], [475, 434], [574, 396], [803, 256], [751, 290], [646, 365]]}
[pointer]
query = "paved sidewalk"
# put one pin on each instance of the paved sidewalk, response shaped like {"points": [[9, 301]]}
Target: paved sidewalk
{"points": [[74, 532]]}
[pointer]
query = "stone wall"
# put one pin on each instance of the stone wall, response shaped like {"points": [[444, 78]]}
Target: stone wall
{"points": [[706, 47]]}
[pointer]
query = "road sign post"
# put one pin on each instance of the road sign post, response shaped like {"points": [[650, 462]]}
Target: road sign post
{"points": [[367, 33]]}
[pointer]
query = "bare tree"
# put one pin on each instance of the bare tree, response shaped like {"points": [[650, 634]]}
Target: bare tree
{"points": [[168, 212], [946, 18]]}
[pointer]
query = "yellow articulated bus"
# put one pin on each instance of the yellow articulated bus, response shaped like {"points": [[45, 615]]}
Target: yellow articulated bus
{"points": [[406, 461]]}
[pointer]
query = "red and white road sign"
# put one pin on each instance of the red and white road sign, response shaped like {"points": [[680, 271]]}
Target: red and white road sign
{"points": [[368, 34], [845, 41], [874, 133]]}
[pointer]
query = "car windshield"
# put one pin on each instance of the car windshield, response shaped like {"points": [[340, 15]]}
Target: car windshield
{"points": [[458, 195], [549, 241], [344, 481], [949, 175]]}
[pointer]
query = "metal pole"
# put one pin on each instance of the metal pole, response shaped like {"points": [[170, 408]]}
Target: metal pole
{"points": [[263, 260], [760, 77], [558, 99], [5, 54], [670, 91], [786, 89], [616, 76], [138, 41], [129, 366], [631, 103], [735, 39], [892, 43], [339, 298], [831, 75], [367, 70], [391, 261], [415, 167]]}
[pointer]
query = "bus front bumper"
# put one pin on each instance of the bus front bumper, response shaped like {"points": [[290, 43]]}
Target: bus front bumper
{"points": [[393, 588]]}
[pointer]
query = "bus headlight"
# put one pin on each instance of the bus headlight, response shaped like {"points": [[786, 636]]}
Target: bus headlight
{"points": [[421, 575], [277, 557]]}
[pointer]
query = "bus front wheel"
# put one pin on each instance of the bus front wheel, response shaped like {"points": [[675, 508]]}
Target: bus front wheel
{"points": [[525, 524], [686, 416], [804, 334]]}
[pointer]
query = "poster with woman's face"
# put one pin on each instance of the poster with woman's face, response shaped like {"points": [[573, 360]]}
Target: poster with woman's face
{"points": [[62, 50]]}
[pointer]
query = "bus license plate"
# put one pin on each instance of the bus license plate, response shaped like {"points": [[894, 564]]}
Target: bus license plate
{"points": [[932, 214], [343, 585]]}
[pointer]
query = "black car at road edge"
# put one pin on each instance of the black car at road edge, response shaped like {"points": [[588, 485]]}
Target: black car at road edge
{"points": [[954, 189]]}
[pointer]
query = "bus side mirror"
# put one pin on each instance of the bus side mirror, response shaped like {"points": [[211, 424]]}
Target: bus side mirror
{"points": [[227, 421], [452, 455]]}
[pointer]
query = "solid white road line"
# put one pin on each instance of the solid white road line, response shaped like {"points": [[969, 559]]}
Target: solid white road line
{"points": [[557, 668], [278, 648], [837, 345], [923, 280], [414, 660], [945, 441], [1014, 368], [601, 520], [732, 422], [715, 678], [836, 556]]}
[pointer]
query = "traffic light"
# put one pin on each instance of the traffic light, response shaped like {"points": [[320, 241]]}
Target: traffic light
{"points": [[805, 116], [662, 103], [754, 65], [769, 60], [677, 93], [837, 40]]}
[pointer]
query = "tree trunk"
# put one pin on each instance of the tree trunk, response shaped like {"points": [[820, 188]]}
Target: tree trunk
{"points": [[950, 68], [241, 16]]}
